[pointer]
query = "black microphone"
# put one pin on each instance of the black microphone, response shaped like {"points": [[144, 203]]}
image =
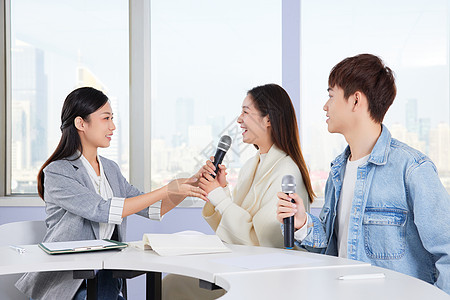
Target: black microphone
{"points": [[222, 148], [288, 187]]}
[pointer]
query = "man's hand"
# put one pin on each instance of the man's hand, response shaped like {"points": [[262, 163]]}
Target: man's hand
{"points": [[285, 209]]}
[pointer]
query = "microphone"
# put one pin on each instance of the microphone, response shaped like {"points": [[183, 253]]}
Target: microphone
{"points": [[288, 187], [222, 148]]}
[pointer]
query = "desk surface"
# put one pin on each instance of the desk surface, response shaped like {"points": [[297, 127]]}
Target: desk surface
{"points": [[324, 284], [35, 259], [307, 279], [206, 266]]}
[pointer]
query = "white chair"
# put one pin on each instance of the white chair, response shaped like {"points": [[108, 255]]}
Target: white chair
{"points": [[18, 233]]}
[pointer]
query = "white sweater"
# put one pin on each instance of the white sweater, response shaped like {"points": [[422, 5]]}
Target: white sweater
{"points": [[248, 217]]}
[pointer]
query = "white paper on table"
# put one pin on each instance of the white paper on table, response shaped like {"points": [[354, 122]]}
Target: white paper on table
{"points": [[139, 245], [263, 261], [184, 244]]}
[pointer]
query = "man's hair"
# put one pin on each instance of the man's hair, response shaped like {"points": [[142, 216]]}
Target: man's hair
{"points": [[368, 74]]}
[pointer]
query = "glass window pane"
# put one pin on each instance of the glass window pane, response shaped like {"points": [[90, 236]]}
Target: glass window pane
{"points": [[205, 56], [57, 46], [412, 37]]}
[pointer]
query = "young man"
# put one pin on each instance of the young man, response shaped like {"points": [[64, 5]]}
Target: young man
{"points": [[384, 202]]}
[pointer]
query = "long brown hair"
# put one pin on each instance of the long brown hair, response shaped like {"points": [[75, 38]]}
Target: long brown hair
{"points": [[79, 103], [273, 100]]}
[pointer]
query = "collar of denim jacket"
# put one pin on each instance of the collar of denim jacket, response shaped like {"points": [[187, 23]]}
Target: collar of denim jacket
{"points": [[379, 152], [338, 161]]}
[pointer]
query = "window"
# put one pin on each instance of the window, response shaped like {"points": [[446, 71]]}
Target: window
{"points": [[57, 46], [205, 56], [412, 37]]}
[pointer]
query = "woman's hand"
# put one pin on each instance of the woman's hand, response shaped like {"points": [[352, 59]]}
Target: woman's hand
{"points": [[222, 176], [285, 209], [207, 183], [209, 168], [176, 191], [185, 187]]}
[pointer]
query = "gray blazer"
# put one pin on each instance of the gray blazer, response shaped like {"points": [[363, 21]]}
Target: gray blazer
{"points": [[74, 211]]}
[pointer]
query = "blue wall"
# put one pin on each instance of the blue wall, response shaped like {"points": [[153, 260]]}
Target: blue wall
{"points": [[178, 219]]}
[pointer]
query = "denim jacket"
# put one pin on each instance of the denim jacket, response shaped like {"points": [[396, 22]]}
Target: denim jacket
{"points": [[400, 214]]}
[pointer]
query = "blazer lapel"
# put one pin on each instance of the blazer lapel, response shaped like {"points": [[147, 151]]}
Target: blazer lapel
{"points": [[84, 176], [112, 177]]}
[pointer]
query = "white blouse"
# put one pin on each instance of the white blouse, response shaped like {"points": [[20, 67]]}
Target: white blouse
{"points": [[102, 187]]}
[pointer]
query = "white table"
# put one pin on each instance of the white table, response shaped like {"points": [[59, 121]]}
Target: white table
{"points": [[315, 276], [206, 266], [36, 260], [323, 283]]}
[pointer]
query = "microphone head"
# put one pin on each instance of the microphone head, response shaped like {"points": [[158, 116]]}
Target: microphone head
{"points": [[224, 143], [288, 184]]}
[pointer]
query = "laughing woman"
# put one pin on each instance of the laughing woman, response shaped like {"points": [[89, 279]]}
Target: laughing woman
{"points": [[86, 196], [248, 215]]}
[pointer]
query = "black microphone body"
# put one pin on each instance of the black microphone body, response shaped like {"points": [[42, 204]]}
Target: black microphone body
{"points": [[222, 148], [218, 158], [288, 187], [289, 231]]}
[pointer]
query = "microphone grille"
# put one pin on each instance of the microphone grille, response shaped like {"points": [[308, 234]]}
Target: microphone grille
{"points": [[224, 143], [288, 184]]}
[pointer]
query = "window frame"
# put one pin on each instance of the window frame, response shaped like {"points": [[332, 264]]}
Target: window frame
{"points": [[3, 98], [6, 198], [139, 78], [140, 92]]}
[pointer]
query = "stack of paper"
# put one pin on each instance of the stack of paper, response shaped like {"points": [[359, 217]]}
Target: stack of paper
{"points": [[183, 243]]}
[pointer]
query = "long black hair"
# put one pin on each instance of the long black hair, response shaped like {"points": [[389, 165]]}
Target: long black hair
{"points": [[79, 103], [274, 101]]}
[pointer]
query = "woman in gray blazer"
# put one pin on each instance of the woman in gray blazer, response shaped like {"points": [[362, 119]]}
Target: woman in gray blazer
{"points": [[87, 197]]}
